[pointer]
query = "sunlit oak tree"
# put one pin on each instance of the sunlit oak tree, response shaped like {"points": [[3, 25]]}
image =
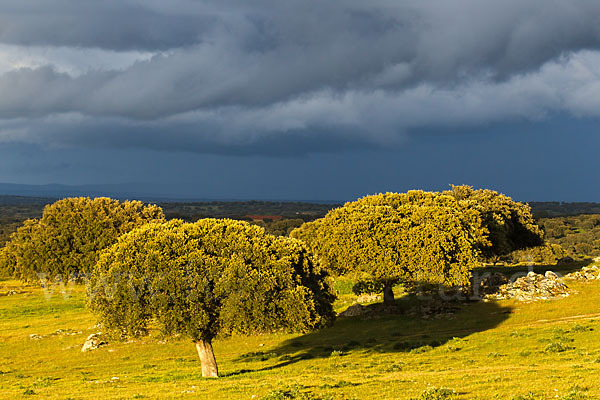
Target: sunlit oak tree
{"points": [[385, 240], [213, 277], [68, 237], [419, 237]]}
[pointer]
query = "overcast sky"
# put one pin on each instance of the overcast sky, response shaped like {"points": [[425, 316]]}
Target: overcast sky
{"points": [[302, 99]]}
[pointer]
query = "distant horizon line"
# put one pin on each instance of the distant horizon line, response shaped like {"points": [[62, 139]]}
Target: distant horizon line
{"points": [[61, 190]]}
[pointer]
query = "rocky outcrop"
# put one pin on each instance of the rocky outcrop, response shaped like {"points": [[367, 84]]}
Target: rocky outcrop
{"points": [[93, 342], [354, 311], [376, 310], [585, 274], [532, 287]]}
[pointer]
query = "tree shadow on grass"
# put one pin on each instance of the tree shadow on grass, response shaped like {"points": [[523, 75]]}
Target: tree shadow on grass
{"points": [[409, 329]]}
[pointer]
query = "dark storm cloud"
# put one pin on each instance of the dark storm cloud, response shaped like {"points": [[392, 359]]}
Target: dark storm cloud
{"points": [[435, 38], [107, 24], [196, 136], [235, 73]]}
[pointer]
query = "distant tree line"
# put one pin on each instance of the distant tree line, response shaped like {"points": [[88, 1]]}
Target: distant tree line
{"points": [[550, 209], [578, 235], [191, 212]]}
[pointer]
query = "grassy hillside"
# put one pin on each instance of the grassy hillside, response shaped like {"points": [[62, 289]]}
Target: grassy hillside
{"points": [[486, 350]]}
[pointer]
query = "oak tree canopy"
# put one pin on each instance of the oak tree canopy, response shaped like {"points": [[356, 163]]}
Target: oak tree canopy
{"points": [[68, 237], [418, 237], [208, 278]]}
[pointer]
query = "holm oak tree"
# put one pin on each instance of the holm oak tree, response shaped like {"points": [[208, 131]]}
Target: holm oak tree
{"points": [[208, 278], [68, 237], [386, 242]]}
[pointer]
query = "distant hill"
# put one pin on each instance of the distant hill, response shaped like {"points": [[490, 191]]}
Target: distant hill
{"points": [[126, 191], [10, 200], [118, 191]]}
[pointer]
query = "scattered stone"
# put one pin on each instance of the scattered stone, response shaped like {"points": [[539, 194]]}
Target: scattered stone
{"points": [[93, 342], [66, 332], [370, 311], [368, 298], [585, 274], [12, 292], [551, 275], [354, 311], [532, 287]]}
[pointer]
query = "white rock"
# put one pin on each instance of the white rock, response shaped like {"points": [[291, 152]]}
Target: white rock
{"points": [[93, 342]]}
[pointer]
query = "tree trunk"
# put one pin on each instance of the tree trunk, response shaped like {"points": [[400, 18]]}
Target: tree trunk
{"points": [[207, 359], [388, 294]]}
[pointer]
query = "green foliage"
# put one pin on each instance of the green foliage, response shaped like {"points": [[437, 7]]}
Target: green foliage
{"points": [[578, 235], [7, 263], [18, 256], [368, 287], [437, 394], [575, 393], [68, 237], [547, 254], [557, 347], [209, 277], [417, 237], [282, 227], [510, 224], [529, 396], [191, 212], [295, 392]]}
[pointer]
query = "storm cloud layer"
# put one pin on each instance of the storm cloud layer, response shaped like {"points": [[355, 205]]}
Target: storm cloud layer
{"points": [[287, 77]]}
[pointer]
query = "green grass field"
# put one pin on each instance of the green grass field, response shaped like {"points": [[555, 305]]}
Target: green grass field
{"points": [[486, 350]]}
